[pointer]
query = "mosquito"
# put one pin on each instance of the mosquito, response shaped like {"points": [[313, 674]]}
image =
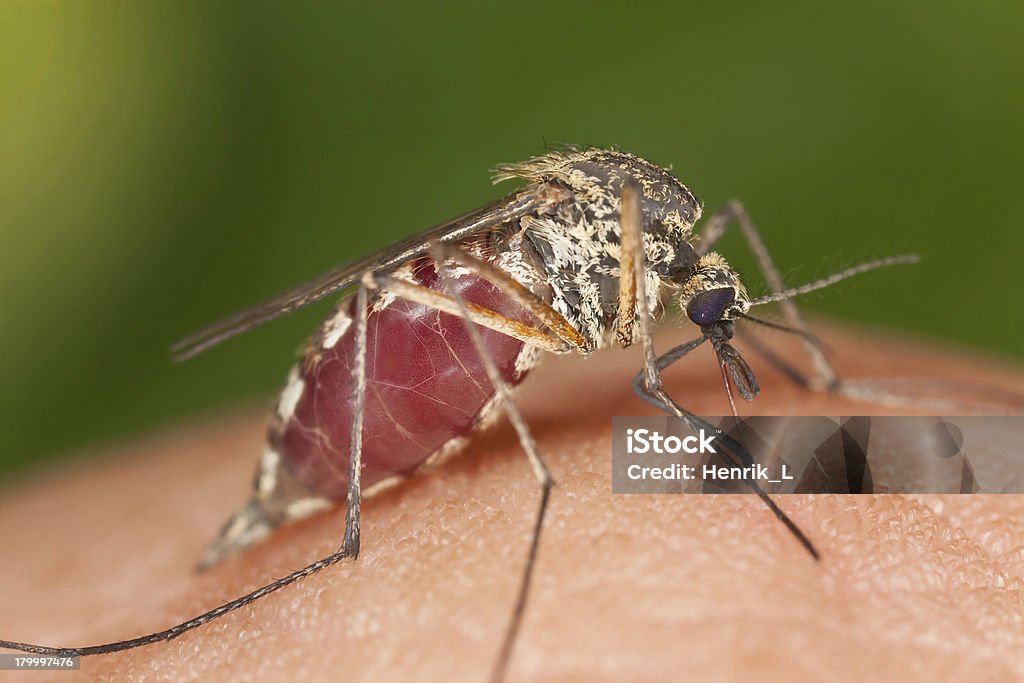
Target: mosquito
{"points": [[586, 254]]}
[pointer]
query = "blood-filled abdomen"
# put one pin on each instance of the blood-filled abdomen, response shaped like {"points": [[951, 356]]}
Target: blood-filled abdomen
{"points": [[425, 386]]}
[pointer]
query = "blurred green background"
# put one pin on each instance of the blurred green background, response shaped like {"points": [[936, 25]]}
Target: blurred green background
{"points": [[163, 164]]}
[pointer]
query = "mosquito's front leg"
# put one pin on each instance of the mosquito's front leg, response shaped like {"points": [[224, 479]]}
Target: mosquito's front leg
{"points": [[632, 308], [648, 382]]}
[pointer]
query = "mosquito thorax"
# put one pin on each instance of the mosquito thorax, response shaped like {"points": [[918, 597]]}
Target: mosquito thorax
{"points": [[576, 244]]}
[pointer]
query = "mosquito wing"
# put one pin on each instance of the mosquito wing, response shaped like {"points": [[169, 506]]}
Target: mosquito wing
{"points": [[511, 207]]}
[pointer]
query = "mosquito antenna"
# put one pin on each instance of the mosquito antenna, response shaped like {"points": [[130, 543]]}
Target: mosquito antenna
{"points": [[785, 328], [905, 259]]}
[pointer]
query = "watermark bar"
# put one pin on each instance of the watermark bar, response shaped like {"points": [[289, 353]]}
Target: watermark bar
{"points": [[983, 454], [27, 662]]}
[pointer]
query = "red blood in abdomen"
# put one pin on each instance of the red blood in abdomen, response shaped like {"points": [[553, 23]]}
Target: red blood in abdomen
{"points": [[425, 384]]}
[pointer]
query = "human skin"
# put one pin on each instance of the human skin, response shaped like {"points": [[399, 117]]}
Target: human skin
{"points": [[708, 588]]}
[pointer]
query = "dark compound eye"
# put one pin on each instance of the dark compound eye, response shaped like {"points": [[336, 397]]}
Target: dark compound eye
{"points": [[706, 308]]}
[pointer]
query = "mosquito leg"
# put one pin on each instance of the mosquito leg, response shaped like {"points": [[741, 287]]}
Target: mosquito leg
{"points": [[824, 376], [349, 548], [540, 469], [559, 339], [542, 310], [648, 382], [631, 263], [353, 498], [732, 450], [484, 317], [633, 287], [654, 394]]}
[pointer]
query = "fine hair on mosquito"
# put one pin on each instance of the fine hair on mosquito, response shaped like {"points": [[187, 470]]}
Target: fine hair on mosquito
{"points": [[593, 246]]}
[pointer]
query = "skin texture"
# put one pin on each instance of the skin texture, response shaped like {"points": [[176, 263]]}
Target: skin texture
{"points": [[910, 588]]}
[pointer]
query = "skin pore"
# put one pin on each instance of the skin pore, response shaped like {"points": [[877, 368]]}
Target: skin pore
{"points": [[626, 587]]}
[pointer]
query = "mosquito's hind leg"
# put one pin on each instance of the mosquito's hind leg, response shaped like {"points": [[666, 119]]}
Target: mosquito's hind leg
{"points": [[824, 377], [349, 546]]}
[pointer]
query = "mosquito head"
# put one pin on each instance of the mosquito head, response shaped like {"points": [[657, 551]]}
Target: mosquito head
{"points": [[713, 298], [713, 295]]}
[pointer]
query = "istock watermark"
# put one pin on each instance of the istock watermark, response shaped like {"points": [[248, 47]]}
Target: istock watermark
{"points": [[640, 441], [856, 454]]}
